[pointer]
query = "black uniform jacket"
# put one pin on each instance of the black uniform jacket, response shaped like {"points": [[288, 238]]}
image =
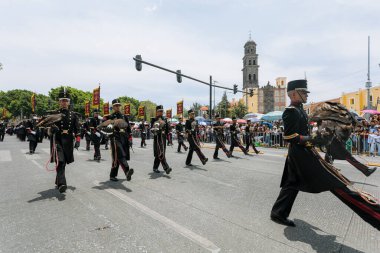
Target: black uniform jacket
{"points": [[303, 170]]}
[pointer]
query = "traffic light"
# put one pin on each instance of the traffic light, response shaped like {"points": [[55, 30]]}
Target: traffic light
{"points": [[179, 77], [138, 63], [251, 92], [235, 88]]}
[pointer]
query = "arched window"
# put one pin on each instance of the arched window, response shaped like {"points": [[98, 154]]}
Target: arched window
{"points": [[249, 77], [254, 77], [254, 62], [249, 62]]}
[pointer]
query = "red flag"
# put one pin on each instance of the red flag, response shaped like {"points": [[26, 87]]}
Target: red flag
{"points": [[87, 108], [127, 109], [180, 107], [169, 113], [96, 97], [106, 108], [141, 111], [4, 113]]}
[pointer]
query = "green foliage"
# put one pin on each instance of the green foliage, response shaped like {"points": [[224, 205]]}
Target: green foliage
{"points": [[239, 110]]}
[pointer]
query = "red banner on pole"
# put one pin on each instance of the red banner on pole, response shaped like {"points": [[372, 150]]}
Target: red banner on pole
{"points": [[180, 107], [87, 108], [4, 113], [169, 113], [141, 111], [106, 108], [127, 109], [96, 97], [33, 102]]}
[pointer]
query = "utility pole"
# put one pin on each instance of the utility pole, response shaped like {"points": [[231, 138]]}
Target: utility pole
{"points": [[368, 84]]}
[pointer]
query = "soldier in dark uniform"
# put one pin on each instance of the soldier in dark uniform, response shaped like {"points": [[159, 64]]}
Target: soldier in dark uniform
{"points": [[234, 130], [160, 129], [2, 130], [142, 128], [249, 138], [180, 136], [32, 134], [192, 136], [95, 134], [218, 133], [87, 133], [119, 142], [305, 170], [65, 133]]}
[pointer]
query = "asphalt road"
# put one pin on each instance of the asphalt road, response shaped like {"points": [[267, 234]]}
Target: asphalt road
{"points": [[223, 206]]}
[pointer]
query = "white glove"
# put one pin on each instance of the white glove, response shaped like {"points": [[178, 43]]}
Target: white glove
{"points": [[88, 133], [110, 126], [33, 132], [97, 134]]}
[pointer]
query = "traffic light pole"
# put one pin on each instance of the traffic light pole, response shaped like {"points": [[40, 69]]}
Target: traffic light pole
{"points": [[178, 73]]}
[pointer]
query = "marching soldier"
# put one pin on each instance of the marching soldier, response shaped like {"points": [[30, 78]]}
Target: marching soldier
{"points": [[249, 138], [95, 134], [218, 133], [65, 132], [234, 129], [192, 131], [160, 129], [87, 133], [142, 128], [32, 134], [119, 141], [180, 136], [2, 130], [305, 170]]}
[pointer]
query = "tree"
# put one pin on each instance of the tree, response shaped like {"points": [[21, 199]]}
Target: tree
{"points": [[239, 111], [196, 107], [223, 106]]}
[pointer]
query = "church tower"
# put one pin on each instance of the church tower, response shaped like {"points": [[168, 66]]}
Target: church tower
{"points": [[250, 65]]}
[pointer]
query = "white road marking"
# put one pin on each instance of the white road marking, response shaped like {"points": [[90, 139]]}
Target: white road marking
{"points": [[5, 156], [201, 241], [38, 165], [217, 181]]}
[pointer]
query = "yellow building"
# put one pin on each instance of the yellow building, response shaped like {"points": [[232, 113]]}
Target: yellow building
{"points": [[358, 100]]}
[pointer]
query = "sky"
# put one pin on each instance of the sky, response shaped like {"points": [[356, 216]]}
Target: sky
{"points": [[48, 43]]}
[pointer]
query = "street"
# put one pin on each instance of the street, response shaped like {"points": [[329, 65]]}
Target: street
{"points": [[223, 206]]}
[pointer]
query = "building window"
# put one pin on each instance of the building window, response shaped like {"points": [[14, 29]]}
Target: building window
{"points": [[282, 82], [249, 77], [254, 62], [249, 62], [254, 77], [370, 98], [352, 101]]}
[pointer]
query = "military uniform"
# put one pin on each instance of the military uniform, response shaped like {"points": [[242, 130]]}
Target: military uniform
{"points": [[2, 131], [234, 138], [249, 138], [120, 145], [95, 135], [180, 137], [192, 131], [142, 129], [306, 171], [160, 128], [87, 133], [32, 135], [218, 133]]}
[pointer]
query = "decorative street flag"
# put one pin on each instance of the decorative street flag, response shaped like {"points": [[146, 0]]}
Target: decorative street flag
{"points": [[106, 108], [169, 113], [96, 97], [141, 111], [33, 102], [127, 109], [4, 113], [87, 109], [180, 107]]}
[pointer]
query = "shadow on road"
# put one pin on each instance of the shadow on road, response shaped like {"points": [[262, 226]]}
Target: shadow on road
{"points": [[320, 242], [194, 167], [112, 185], [52, 194], [154, 175]]}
